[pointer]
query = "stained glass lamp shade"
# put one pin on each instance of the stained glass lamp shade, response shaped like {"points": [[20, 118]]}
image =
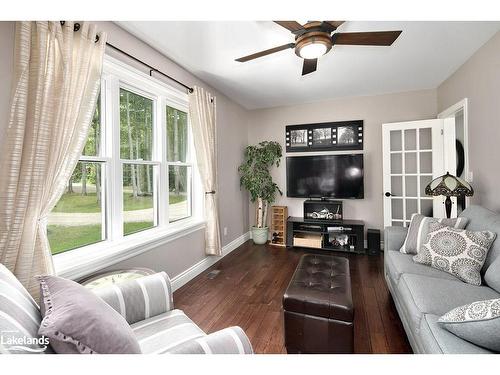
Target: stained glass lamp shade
{"points": [[449, 186]]}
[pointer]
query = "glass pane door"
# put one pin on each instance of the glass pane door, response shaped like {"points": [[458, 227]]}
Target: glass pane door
{"points": [[410, 150]]}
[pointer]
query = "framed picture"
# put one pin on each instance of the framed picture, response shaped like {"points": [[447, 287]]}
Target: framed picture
{"points": [[347, 135], [322, 137], [298, 138], [327, 136]]}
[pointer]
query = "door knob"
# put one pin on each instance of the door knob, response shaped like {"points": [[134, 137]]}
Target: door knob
{"points": [[387, 194]]}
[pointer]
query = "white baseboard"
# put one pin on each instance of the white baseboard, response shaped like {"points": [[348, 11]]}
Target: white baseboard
{"points": [[193, 271]]}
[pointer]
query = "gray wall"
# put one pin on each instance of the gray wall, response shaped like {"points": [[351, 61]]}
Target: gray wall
{"points": [[177, 256], [479, 81], [269, 124]]}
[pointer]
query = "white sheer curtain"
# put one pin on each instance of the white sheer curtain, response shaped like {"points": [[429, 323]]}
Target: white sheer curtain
{"points": [[202, 114], [55, 89]]}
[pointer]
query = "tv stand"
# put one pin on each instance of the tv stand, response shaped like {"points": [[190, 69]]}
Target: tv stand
{"points": [[331, 235]]}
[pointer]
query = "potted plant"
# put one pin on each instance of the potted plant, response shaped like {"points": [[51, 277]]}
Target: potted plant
{"points": [[256, 178]]}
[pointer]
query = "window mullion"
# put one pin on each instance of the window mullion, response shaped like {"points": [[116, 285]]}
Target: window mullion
{"points": [[155, 156], [101, 156], [115, 217], [161, 143], [197, 195]]}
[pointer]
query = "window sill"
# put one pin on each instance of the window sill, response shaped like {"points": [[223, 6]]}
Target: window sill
{"points": [[82, 262]]}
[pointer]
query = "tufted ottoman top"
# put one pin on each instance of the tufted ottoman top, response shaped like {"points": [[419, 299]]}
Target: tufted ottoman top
{"points": [[321, 286]]}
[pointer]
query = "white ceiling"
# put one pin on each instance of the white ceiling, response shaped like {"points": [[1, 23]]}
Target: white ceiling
{"points": [[423, 56]]}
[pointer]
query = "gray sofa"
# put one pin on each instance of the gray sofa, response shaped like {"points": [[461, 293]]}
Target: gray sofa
{"points": [[147, 307], [422, 294]]}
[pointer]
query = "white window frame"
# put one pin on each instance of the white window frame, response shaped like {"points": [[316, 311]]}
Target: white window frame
{"points": [[116, 247]]}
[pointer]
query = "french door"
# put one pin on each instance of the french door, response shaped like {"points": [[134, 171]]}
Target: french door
{"points": [[413, 155]]}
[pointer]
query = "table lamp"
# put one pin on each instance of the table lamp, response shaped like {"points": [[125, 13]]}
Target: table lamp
{"points": [[449, 186]]}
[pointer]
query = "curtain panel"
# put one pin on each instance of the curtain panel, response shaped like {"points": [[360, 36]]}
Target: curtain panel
{"points": [[202, 114], [55, 89]]}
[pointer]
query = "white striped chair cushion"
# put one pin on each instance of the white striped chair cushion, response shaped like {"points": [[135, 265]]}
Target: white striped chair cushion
{"points": [[165, 332], [19, 314], [141, 298], [230, 340]]}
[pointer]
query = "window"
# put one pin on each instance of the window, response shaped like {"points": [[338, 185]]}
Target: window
{"points": [[179, 169], [77, 219], [136, 150], [137, 172]]}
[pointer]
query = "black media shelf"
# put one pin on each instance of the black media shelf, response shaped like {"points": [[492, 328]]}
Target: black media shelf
{"points": [[308, 231], [330, 235]]}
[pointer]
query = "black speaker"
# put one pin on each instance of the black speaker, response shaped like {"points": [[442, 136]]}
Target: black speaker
{"points": [[373, 239]]}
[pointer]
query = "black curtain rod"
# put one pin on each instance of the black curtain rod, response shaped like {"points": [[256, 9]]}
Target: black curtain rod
{"points": [[152, 69]]}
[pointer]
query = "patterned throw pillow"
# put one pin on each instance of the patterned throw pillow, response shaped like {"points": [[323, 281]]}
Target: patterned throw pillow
{"points": [[478, 322], [419, 227], [459, 252]]}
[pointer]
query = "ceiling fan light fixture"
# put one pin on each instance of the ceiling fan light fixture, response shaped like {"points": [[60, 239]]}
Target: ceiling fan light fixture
{"points": [[313, 50], [313, 45]]}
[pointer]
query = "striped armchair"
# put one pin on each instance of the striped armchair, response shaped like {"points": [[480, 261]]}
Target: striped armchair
{"points": [[145, 303]]}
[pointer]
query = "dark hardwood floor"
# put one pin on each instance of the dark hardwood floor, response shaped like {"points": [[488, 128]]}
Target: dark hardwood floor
{"points": [[248, 290]]}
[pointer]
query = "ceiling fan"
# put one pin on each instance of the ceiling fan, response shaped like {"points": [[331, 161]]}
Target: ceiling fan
{"points": [[316, 38]]}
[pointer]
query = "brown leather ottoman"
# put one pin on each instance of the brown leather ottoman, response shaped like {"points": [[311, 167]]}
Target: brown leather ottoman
{"points": [[318, 306]]}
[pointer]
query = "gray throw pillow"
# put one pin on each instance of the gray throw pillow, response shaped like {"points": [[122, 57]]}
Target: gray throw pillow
{"points": [[459, 252], [419, 227], [478, 322], [77, 321]]}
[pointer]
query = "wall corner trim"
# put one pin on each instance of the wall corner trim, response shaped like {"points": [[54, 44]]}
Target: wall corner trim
{"points": [[193, 271]]}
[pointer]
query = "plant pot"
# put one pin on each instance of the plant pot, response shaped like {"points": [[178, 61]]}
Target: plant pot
{"points": [[259, 235]]}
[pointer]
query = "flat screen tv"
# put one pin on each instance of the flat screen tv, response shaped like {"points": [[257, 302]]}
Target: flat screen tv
{"points": [[325, 176]]}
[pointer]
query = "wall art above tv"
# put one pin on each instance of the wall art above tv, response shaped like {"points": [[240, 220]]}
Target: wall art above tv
{"points": [[325, 136]]}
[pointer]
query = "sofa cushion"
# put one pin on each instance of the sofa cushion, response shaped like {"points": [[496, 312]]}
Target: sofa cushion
{"points": [[419, 228], [492, 275], [394, 237], [478, 322], [164, 332], [78, 321], [398, 263], [429, 295], [435, 339], [460, 252], [19, 316], [481, 218]]}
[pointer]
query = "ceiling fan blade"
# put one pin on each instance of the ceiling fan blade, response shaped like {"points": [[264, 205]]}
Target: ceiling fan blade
{"points": [[309, 66], [266, 52], [335, 24], [292, 26], [375, 38]]}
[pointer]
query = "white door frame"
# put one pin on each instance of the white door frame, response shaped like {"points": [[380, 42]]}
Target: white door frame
{"points": [[450, 112]]}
